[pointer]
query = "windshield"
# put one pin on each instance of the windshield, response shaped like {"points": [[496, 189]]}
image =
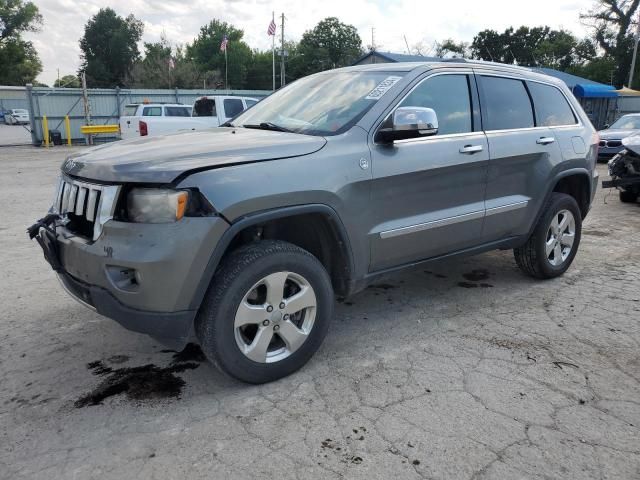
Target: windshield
{"points": [[322, 104], [627, 123]]}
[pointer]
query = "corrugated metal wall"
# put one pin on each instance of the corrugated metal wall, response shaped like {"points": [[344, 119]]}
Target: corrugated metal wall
{"points": [[105, 104], [13, 97]]}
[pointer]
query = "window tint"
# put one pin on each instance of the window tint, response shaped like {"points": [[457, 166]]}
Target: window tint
{"points": [[250, 103], [177, 111], [551, 106], [232, 107], [449, 96], [205, 107], [152, 112], [507, 104]]}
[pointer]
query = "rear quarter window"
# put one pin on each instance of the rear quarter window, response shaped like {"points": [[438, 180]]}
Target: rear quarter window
{"points": [[130, 110], [552, 108], [177, 111], [506, 104], [152, 112]]}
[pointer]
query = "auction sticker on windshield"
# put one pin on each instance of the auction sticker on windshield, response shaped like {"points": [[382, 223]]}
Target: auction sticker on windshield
{"points": [[382, 88]]}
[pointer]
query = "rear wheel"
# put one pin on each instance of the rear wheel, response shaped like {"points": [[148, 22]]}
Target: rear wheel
{"points": [[267, 311], [553, 245], [628, 196]]}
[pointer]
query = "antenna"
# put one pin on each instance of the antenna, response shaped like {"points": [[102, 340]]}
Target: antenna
{"points": [[407, 44]]}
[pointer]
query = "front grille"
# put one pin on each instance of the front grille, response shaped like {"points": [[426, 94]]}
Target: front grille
{"points": [[86, 206]]}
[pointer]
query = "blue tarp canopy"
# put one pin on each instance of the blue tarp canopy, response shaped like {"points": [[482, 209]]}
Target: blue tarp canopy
{"points": [[581, 87], [595, 91]]}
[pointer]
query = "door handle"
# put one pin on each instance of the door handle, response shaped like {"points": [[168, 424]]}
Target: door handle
{"points": [[545, 140], [471, 149]]}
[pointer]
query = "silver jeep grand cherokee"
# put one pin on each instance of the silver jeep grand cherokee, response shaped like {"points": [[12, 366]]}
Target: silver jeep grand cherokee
{"points": [[241, 237]]}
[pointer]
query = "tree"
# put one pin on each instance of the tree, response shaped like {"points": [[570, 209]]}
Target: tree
{"points": [[610, 21], [19, 59], [450, 47], [109, 48], [330, 44], [206, 54], [67, 81], [164, 67], [532, 46]]}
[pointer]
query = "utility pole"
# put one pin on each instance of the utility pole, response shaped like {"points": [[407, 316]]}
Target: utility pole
{"points": [[407, 44], [87, 106], [635, 51], [282, 78], [373, 39]]}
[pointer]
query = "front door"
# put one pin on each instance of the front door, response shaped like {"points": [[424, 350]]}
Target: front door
{"points": [[427, 194]]}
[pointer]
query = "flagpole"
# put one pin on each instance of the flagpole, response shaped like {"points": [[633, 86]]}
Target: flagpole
{"points": [[273, 51], [226, 69]]}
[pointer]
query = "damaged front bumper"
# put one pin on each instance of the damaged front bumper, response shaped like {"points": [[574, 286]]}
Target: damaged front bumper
{"points": [[624, 170], [143, 276]]}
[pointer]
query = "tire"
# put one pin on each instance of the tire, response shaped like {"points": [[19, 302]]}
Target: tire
{"points": [[628, 196], [244, 287], [533, 257]]}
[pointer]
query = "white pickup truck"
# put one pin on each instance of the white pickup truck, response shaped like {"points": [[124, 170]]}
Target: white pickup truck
{"points": [[140, 120]]}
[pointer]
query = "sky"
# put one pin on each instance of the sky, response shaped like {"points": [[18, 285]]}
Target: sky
{"points": [[420, 21]]}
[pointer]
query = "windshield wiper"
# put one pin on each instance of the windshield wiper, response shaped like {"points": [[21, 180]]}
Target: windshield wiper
{"points": [[269, 126]]}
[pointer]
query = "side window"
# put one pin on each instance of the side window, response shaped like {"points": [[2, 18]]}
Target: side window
{"points": [[232, 107], [205, 107], [506, 103], [152, 112], [249, 102], [177, 111], [551, 106], [448, 96]]}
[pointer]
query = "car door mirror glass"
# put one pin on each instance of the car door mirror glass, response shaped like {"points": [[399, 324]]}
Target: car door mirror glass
{"points": [[409, 122]]}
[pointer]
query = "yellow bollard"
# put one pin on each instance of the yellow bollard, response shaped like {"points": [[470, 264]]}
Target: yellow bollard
{"points": [[67, 127], [45, 131]]}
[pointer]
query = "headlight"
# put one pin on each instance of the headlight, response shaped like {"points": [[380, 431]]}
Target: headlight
{"points": [[156, 205]]}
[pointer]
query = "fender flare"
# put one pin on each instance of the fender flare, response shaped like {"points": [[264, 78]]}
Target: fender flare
{"points": [[552, 184], [261, 217]]}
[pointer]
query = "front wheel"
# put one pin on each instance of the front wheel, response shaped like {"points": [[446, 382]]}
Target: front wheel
{"points": [[266, 312], [553, 245]]}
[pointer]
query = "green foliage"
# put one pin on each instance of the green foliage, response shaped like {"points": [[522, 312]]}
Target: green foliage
{"points": [[162, 67], [330, 44], [451, 48], [536, 46], [67, 81], [109, 48], [206, 54], [610, 21], [18, 58]]}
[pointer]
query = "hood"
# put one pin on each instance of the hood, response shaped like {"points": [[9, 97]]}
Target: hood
{"points": [[616, 133], [632, 142], [163, 158]]}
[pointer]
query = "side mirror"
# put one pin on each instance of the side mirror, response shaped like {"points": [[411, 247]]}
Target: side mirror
{"points": [[408, 122]]}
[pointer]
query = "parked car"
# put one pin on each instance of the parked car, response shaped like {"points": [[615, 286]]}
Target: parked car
{"points": [[148, 119], [240, 237], [16, 116], [142, 120], [624, 170], [611, 137]]}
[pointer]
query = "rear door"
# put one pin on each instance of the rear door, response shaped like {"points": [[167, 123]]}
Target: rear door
{"points": [[427, 194], [206, 110], [522, 153]]}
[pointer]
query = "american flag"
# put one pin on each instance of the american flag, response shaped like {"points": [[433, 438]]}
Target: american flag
{"points": [[272, 28], [223, 44]]}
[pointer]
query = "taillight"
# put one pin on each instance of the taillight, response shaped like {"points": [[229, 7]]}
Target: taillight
{"points": [[143, 129]]}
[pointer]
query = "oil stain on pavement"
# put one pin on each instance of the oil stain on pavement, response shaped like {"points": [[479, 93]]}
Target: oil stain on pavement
{"points": [[143, 383]]}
